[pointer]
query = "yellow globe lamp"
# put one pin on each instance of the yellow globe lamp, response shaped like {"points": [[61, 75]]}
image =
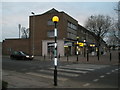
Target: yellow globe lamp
{"points": [[55, 19], [77, 37]]}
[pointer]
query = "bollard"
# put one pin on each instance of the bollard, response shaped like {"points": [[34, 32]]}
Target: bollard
{"points": [[44, 56], [4, 85], [84, 52], [67, 58], [87, 57], [119, 57], [110, 56], [77, 58], [51, 57], [98, 57], [59, 56]]}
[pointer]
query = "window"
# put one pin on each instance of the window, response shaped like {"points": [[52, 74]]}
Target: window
{"points": [[71, 35], [50, 33], [50, 22], [71, 25]]}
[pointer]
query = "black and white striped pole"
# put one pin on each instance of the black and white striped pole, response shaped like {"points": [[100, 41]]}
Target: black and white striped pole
{"points": [[55, 19], [84, 47], [77, 48]]}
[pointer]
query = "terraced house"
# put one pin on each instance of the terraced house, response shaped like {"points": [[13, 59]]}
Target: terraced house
{"points": [[41, 36]]}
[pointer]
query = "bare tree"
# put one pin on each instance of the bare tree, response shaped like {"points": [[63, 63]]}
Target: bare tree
{"points": [[111, 38], [100, 25], [117, 24], [116, 31], [25, 32]]}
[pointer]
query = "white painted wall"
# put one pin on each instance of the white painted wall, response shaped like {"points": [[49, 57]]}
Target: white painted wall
{"points": [[60, 47]]}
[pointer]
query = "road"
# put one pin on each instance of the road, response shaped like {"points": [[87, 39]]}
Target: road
{"points": [[39, 74]]}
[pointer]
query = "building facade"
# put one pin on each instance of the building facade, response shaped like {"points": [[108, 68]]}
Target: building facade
{"points": [[41, 36]]}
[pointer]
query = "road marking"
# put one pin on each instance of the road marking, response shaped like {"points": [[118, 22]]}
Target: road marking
{"points": [[102, 76], [95, 80], [46, 76], [113, 71], [24, 69], [87, 84], [108, 73], [84, 72], [116, 69], [60, 73], [67, 65], [88, 69], [33, 68]]}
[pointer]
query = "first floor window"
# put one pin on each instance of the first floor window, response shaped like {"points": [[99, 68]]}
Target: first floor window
{"points": [[50, 33]]}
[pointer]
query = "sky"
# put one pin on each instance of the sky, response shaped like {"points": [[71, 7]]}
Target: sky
{"points": [[14, 13]]}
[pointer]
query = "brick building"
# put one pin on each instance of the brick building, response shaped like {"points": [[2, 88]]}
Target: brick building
{"points": [[41, 37]]}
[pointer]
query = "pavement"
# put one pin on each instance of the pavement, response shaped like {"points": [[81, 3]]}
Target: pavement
{"points": [[92, 59]]}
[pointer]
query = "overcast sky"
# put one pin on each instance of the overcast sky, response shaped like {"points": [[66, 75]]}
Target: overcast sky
{"points": [[14, 13]]}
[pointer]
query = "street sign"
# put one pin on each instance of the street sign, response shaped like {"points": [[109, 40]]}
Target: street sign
{"points": [[80, 44]]}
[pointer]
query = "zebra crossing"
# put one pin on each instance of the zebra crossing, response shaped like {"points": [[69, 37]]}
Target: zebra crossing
{"points": [[67, 71]]}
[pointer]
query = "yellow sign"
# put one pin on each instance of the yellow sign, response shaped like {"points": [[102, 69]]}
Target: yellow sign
{"points": [[81, 44], [65, 46]]}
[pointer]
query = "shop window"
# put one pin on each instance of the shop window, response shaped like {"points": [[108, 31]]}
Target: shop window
{"points": [[50, 48]]}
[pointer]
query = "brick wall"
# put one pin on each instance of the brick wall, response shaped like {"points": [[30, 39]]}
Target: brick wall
{"points": [[15, 45]]}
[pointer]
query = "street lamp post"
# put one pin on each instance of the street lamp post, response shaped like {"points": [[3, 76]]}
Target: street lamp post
{"points": [[55, 19], [84, 47], [77, 48], [19, 26], [33, 32]]}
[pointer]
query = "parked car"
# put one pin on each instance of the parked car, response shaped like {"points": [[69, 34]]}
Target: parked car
{"points": [[21, 55]]}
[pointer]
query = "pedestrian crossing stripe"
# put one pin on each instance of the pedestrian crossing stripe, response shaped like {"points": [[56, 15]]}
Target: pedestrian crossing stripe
{"points": [[60, 73], [68, 70], [87, 67], [64, 72], [84, 69]]}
